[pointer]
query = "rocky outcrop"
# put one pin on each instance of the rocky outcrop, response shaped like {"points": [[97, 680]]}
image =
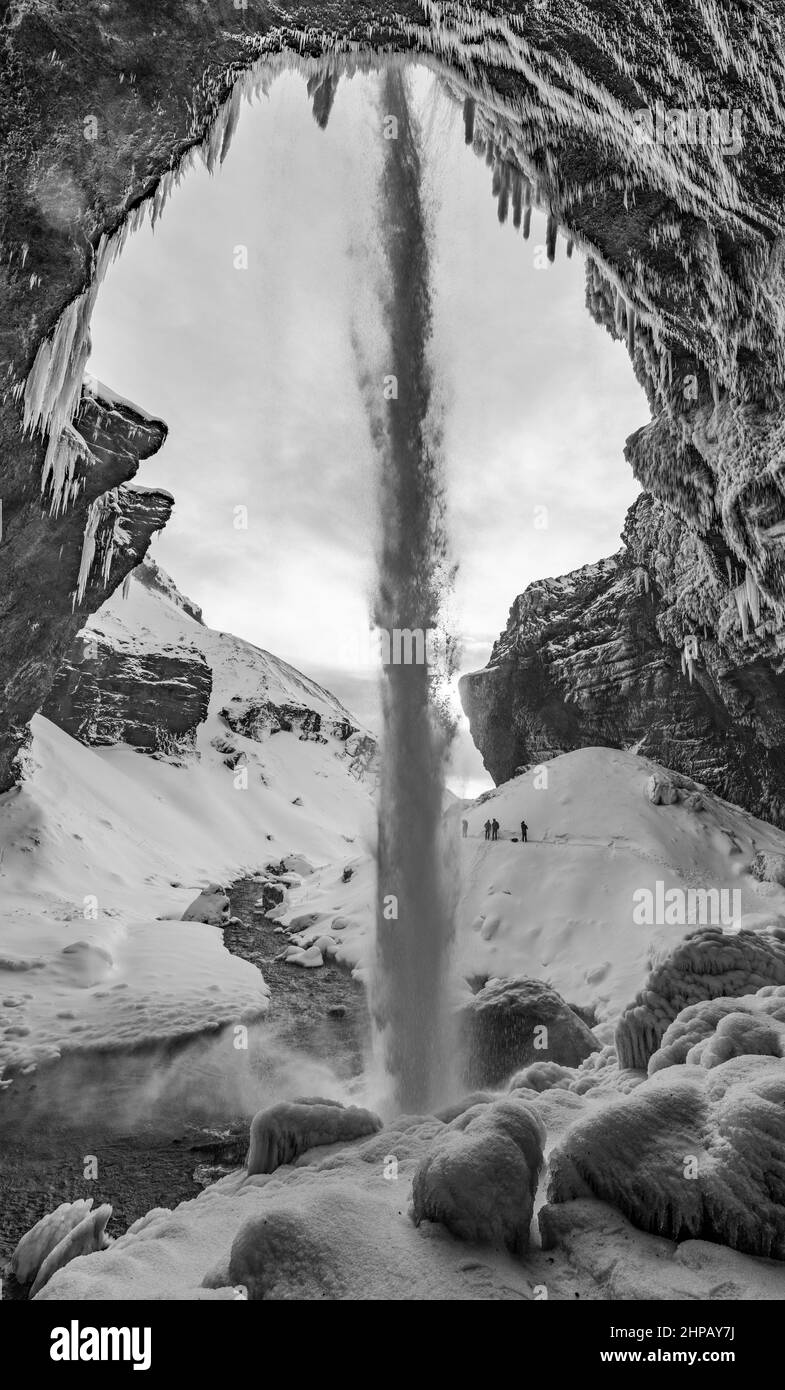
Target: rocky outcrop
{"points": [[259, 719], [616, 654], [46, 590], [684, 239], [153, 700]]}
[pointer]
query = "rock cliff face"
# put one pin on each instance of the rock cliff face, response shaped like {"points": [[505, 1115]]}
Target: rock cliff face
{"points": [[591, 658], [46, 589], [684, 237], [154, 701]]}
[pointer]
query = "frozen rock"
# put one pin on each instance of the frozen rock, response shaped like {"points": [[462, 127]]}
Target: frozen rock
{"points": [[310, 959], [714, 1030], [769, 868], [707, 964], [511, 1022], [661, 790], [212, 907], [689, 1152], [83, 1239], [41, 1239], [480, 1176], [279, 1135]]}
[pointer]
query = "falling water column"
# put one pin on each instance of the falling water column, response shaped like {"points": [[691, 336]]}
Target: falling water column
{"points": [[414, 920]]}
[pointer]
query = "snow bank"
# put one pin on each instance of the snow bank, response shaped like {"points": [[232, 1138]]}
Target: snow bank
{"points": [[160, 980]]}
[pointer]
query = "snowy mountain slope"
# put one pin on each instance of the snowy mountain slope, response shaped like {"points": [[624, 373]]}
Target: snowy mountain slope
{"points": [[97, 843], [561, 907]]}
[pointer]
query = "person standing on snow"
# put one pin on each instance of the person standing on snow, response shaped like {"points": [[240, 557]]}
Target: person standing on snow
{"points": [[524, 828], [495, 829], [464, 828], [487, 830]]}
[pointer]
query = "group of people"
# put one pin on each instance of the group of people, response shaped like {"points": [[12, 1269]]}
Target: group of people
{"points": [[492, 829]]}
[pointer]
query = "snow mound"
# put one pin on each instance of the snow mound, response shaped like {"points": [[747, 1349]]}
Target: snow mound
{"points": [[512, 1022], [280, 1134], [690, 1152], [212, 906], [480, 1178], [713, 1031], [705, 965]]}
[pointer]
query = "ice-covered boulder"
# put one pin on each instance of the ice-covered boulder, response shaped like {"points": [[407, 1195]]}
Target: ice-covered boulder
{"points": [[542, 1076], [61, 1236], [212, 907], [661, 790], [42, 1238], [480, 1175], [279, 1135], [688, 1153], [512, 1022], [310, 958], [707, 964], [769, 867], [712, 1031]]}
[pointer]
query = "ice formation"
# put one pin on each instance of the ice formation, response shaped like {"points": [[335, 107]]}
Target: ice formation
{"points": [[480, 1177], [689, 1153], [711, 1032], [705, 965], [280, 1134], [510, 1022], [83, 1239], [44, 1236]]}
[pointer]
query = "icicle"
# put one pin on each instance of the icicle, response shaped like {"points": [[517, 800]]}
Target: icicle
{"points": [[517, 199], [126, 589], [527, 222], [551, 232], [753, 597], [570, 244], [92, 526], [630, 329], [469, 111]]}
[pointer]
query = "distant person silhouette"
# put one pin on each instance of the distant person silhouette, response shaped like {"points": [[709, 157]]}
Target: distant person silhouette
{"points": [[487, 830], [495, 829], [464, 828], [524, 829]]}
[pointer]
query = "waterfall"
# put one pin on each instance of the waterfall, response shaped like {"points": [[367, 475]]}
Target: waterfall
{"points": [[413, 912]]}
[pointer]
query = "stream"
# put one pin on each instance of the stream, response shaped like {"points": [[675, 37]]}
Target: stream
{"points": [[156, 1116]]}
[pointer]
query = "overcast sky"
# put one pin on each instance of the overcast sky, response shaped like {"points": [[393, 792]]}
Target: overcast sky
{"points": [[254, 371]]}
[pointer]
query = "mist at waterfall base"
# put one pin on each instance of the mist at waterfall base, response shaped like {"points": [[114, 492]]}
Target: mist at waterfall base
{"points": [[414, 918]]}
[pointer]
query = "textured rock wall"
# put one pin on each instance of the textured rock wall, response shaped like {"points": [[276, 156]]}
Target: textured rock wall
{"points": [[597, 657]]}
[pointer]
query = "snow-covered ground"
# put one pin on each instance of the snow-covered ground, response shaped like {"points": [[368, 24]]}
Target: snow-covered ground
{"points": [[561, 906], [99, 843]]}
